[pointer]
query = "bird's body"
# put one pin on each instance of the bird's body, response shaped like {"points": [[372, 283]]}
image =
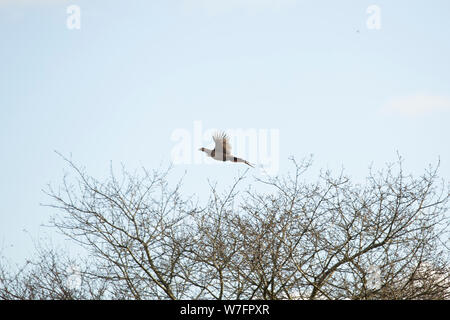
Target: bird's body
{"points": [[222, 149]]}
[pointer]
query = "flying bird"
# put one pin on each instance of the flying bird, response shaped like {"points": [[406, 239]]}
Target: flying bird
{"points": [[222, 149]]}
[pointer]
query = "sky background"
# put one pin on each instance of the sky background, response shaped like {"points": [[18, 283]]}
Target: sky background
{"points": [[137, 71]]}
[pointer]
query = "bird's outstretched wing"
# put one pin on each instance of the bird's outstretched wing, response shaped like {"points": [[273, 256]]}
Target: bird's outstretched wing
{"points": [[222, 143]]}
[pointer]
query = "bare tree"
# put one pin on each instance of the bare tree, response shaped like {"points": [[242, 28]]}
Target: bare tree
{"points": [[328, 239], [50, 276]]}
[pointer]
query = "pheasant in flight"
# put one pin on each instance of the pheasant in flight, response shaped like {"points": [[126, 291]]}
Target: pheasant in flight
{"points": [[222, 149]]}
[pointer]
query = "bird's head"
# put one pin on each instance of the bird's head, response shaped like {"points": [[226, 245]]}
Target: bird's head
{"points": [[201, 149]]}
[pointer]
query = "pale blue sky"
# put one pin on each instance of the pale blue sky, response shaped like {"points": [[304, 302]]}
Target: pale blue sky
{"points": [[138, 70]]}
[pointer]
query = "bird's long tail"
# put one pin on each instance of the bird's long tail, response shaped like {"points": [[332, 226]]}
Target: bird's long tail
{"points": [[248, 163], [236, 159]]}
